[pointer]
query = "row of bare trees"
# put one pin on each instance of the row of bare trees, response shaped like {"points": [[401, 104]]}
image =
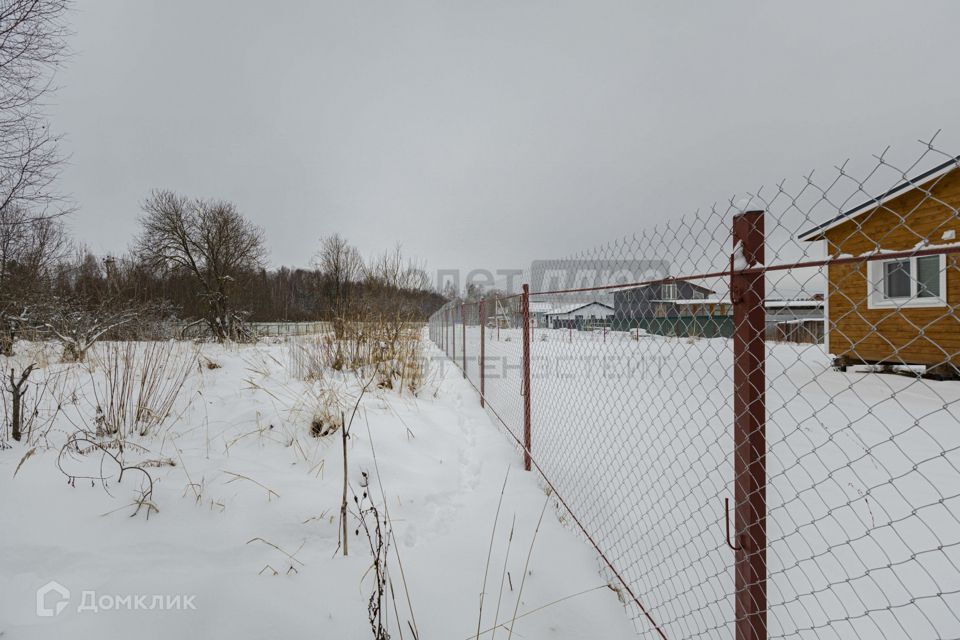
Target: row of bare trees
{"points": [[388, 285], [196, 261]]}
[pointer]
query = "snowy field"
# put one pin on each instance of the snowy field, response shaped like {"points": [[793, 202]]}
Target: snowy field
{"points": [[863, 468], [246, 526]]}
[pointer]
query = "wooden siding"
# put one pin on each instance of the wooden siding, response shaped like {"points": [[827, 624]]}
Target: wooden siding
{"points": [[909, 335]]}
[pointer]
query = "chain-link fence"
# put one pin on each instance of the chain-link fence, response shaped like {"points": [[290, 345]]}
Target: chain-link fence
{"points": [[794, 353]]}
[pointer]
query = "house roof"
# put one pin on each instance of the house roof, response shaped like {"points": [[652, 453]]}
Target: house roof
{"points": [[570, 308], [540, 307], [694, 301], [816, 233], [656, 284], [798, 303]]}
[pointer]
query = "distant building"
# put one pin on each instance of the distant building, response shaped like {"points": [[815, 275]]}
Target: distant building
{"points": [[580, 316], [693, 312], [663, 300], [539, 311]]}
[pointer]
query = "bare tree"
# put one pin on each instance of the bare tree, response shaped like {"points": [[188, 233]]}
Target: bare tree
{"points": [[208, 240], [32, 44], [341, 266], [17, 391], [30, 249], [29, 246], [393, 286], [390, 269], [78, 326]]}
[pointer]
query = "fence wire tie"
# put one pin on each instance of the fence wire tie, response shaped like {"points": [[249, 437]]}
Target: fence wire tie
{"points": [[726, 515]]}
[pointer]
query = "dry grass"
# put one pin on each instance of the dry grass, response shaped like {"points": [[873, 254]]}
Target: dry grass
{"points": [[139, 384], [393, 348]]}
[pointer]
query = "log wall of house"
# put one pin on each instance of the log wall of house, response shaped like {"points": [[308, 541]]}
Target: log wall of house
{"points": [[928, 336]]}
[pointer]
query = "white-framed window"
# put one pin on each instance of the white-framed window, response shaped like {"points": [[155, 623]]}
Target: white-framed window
{"points": [[668, 291], [907, 282]]}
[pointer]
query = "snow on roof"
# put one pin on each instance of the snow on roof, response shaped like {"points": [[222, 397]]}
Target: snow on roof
{"points": [[570, 308], [695, 301], [802, 303], [805, 303], [541, 307], [675, 280], [909, 184]]}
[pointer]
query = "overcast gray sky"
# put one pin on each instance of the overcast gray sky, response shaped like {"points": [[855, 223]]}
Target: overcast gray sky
{"points": [[484, 134]]}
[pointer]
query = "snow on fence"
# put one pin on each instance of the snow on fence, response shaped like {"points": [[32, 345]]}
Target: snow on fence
{"points": [[734, 484]]}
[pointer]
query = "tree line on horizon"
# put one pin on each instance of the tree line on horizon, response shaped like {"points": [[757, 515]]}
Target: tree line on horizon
{"points": [[198, 261]]}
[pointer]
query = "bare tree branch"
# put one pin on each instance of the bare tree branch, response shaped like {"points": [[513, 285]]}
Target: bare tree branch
{"points": [[32, 45]]}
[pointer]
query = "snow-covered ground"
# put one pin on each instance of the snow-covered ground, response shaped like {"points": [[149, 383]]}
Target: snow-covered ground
{"points": [[247, 527], [863, 468]]}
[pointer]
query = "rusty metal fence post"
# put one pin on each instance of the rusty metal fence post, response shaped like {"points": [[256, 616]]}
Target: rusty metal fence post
{"points": [[481, 361], [747, 293], [525, 314], [463, 324]]}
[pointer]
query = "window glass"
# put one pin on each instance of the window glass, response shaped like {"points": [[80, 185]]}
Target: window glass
{"points": [[928, 277], [896, 279], [669, 291]]}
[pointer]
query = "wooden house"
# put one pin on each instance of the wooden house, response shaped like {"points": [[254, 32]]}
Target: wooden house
{"points": [[677, 308], [656, 300], [900, 309]]}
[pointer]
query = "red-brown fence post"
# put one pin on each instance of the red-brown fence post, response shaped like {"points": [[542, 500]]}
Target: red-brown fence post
{"points": [[747, 293], [482, 362], [525, 313], [453, 335]]}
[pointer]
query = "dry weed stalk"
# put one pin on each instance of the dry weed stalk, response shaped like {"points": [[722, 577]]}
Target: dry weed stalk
{"points": [[493, 532], [378, 537], [73, 448], [140, 384], [526, 569], [239, 476], [412, 620]]}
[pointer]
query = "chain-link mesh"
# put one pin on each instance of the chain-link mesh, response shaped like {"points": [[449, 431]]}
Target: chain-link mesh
{"points": [[801, 362], [497, 324]]}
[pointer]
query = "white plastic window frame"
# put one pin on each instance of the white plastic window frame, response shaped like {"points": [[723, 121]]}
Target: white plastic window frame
{"points": [[876, 296]]}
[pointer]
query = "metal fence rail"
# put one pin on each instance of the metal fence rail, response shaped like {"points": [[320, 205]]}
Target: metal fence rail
{"points": [[741, 470]]}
